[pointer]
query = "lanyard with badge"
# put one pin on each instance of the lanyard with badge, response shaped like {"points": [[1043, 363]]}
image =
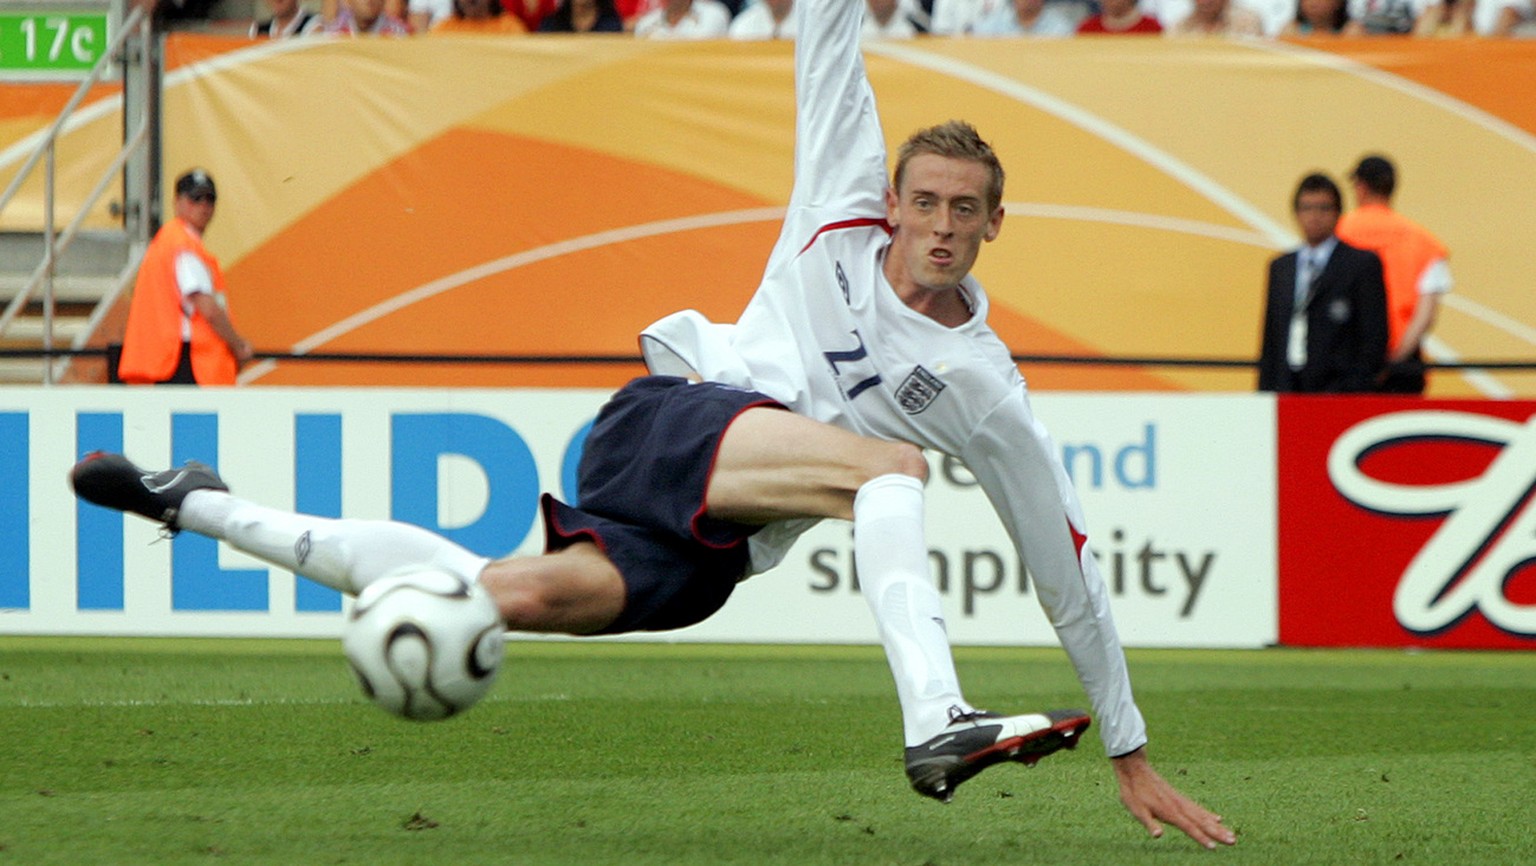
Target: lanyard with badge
{"points": [[1296, 344]]}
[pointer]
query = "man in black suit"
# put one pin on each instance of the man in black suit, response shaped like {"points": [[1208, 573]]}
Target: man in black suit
{"points": [[1325, 325]]}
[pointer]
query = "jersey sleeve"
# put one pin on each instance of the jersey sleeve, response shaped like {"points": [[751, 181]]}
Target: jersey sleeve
{"points": [[839, 145], [1014, 460]]}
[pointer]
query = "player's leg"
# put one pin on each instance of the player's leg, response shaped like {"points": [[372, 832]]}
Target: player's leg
{"points": [[571, 591], [575, 590], [343, 554], [775, 464]]}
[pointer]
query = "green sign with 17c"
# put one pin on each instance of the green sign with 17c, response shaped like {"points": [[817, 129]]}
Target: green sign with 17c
{"points": [[51, 42]]}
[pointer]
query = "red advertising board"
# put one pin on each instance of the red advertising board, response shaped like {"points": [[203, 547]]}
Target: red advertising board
{"points": [[1407, 522]]}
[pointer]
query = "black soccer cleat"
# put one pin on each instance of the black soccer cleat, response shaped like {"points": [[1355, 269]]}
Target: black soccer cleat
{"points": [[975, 741], [112, 481]]}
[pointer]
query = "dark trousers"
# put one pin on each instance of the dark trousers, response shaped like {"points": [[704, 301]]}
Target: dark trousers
{"points": [[181, 376], [1405, 377]]}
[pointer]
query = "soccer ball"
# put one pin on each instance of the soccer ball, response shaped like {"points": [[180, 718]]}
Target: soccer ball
{"points": [[424, 644]]}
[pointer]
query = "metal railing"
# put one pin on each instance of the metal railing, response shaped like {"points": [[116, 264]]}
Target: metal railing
{"points": [[137, 25]]}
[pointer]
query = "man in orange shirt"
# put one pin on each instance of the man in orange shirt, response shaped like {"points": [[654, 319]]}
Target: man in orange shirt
{"points": [[178, 330], [1413, 264]]}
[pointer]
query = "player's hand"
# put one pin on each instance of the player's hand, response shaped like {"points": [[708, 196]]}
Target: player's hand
{"points": [[1152, 801]]}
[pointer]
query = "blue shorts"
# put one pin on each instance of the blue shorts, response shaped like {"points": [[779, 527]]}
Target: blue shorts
{"points": [[640, 488]]}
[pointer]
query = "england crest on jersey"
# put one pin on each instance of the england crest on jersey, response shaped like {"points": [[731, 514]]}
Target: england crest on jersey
{"points": [[919, 391]]}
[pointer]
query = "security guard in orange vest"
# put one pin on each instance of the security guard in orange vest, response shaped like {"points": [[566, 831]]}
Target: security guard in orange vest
{"points": [[178, 330], [1413, 263]]}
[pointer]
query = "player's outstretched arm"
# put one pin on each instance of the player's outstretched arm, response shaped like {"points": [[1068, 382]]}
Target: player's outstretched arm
{"points": [[1152, 801], [839, 146]]}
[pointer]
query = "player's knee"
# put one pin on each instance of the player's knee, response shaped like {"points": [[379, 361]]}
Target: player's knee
{"points": [[900, 458], [574, 591]]}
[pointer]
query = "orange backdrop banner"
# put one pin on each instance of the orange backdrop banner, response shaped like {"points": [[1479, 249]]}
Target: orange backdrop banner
{"points": [[536, 196]]}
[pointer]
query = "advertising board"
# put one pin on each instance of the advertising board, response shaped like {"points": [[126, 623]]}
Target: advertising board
{"points": [[1180, 513]]}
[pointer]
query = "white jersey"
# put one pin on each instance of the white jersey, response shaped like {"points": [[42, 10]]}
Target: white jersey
{"points": [[826, 335]]}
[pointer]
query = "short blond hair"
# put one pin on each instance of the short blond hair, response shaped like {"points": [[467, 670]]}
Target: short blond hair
{"points": [[955, 139]]}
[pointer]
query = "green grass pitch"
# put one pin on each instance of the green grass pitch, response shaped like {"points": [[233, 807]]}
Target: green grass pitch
{"points": [[120, 751]]}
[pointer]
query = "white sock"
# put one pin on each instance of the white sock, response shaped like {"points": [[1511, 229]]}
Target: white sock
{"points": [[892, 554], [345, 555]]}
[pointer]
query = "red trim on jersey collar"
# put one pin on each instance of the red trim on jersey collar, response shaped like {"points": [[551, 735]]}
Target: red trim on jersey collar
{"points": [[856, 222]]}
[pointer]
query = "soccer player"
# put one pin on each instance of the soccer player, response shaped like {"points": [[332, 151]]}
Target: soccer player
{"points": [[866, 342]]}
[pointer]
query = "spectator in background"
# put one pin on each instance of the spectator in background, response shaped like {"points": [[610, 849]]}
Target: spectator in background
{"points": [[1503, 18], [531, 12], [426, 14], [1318, 17], [288, 19], [366, 17], [1414, 262], [1448, 19], [174, 12], [1275, 15], [1120, 17], [685, 19], [887, 19], [632, 10], [1032, 18], [583, 16], [959, 17], [482, 17], [178, 331], [1218, 18], [765, 19], [1381, 17], [1325, 319], [423, 15]]}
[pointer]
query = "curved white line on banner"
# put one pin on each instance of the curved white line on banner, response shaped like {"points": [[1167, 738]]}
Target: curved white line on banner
{"points": [[706, 221], [238, 57], [1482, 380], [1392, 81], [1490, 316], [507, 263], [1139, 219], [114, 104], [88, 114], [1226, 199]]}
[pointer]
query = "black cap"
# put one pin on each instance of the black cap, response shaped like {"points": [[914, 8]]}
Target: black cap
{"points": [[195, 183]]}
